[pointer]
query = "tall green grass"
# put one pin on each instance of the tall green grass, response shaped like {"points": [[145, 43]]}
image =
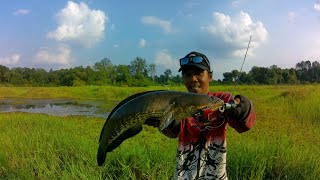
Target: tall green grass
{"points": [[86, 92], [284, 144], [280, 146], [39, 146]]}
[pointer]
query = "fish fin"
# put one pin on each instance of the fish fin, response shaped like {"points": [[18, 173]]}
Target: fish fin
{"points": [[167, 117], [101, 157], [129, 133]]}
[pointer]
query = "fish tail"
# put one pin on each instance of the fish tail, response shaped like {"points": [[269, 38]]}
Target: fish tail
{"points": [[101, 156]]}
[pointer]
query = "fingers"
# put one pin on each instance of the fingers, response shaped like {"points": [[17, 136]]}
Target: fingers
{"points": [[236, 101]]}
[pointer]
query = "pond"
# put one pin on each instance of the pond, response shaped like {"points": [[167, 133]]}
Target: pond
{"points": [[55, 107]]}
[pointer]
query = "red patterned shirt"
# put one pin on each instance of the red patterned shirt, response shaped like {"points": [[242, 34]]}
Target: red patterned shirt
{"points": [[202, 143]]}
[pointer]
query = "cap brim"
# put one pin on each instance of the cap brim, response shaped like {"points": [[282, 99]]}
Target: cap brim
{"points": [[193, 64]]}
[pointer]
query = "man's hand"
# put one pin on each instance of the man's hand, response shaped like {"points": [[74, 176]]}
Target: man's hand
{"points": [[237, 100], [242, 108]]}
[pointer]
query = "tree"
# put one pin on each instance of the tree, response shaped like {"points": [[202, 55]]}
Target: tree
{"points": [[53, 78], [259, 75], [315, 71], [80, 76], [105, 71], [152, 71], [167, 76], [3, 71], [65, 77], [15, 76], [302, 70], [138, 73], [123, 76], [176, 79], [289, 76], [275, 75], [39, 77], [227, 77], [138, 68], [103, 65], [243, 78], [91, 76], [167, 73]]}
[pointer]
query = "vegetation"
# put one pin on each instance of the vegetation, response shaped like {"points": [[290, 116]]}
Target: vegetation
{"points": [[283, 145], [139, 73]]}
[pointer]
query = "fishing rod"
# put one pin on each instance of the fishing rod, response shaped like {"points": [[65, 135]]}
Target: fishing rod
{"points": [[244, 59], [232, 105]]}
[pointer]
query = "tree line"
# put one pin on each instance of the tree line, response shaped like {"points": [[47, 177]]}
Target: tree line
{"points": [[139, 73], [304, 72]]}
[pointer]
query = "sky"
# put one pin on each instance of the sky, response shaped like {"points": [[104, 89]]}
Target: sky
{"points": [[65, 34]]}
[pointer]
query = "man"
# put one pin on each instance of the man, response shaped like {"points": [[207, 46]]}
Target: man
{"points": [[202, 140]]}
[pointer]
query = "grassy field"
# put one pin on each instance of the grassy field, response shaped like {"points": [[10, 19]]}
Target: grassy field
{"points": [[284, 144]]}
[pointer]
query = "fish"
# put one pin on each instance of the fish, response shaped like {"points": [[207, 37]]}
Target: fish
{"points": [[164, 107]]}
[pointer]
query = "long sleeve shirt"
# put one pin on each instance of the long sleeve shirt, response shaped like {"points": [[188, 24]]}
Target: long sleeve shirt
{"points": [[202, 144]]}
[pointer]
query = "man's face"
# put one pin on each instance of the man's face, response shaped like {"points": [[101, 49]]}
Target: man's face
{"points": [[196, 80]]}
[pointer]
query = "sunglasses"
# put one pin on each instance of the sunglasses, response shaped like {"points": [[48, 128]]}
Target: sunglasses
{"points": [[194, 59]]}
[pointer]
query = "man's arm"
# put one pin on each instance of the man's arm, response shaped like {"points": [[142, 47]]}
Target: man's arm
{"points": [[243, 117], [172, 131]]}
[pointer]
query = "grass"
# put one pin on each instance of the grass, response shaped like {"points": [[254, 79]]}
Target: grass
{"points": [[284, 144], [87, 92], [46, 147]]}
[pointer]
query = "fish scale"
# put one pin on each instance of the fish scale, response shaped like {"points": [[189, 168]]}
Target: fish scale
{"points": [[137, 119]]}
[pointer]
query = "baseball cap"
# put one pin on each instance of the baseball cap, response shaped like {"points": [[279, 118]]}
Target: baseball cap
{"points": [[192, 59]]}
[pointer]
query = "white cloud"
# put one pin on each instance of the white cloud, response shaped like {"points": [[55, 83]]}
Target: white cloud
{"points": [[58, 56], [10, 60], [115, 45], [164, 59], [154, 21], [235, 3], [292, 16], [316, 6], [142, 43], [21, 12], [238, 3], [235, 32], [313, 53], [78, 23]]}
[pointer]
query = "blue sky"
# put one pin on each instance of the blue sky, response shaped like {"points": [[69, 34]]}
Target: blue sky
{"points": [[65, 34]]}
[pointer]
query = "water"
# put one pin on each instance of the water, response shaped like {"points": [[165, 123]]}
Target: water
{"points": [[54, 107]]}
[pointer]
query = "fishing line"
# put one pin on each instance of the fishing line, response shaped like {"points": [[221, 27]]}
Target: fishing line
{"points": [[237, 78]]}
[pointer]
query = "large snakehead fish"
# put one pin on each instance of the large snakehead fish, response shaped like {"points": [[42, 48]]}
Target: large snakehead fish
{"points": [[166, 107]]}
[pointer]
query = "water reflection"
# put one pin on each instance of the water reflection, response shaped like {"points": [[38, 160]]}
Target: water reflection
{"points": [[55, 107]]}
